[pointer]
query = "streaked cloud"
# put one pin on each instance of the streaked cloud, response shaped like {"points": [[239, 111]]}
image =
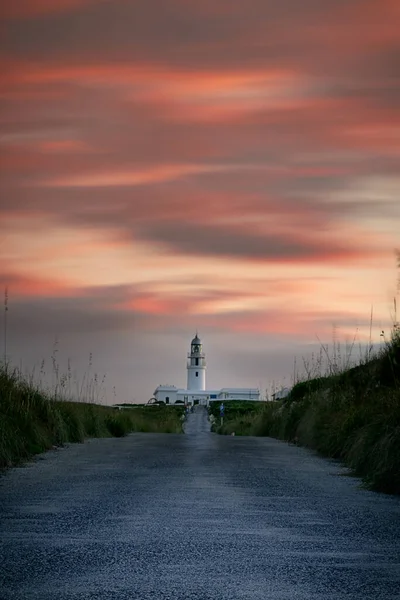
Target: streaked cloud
{"points": [[32, 8], [220, 165], [151, 175]]}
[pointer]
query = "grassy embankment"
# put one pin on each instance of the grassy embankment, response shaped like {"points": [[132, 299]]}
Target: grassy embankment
{"points": [[32, 422], [352, 415], [239, 417]]}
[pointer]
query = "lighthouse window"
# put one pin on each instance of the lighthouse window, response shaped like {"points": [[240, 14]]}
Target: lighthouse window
{"points": [[197, 373], [197, 362]]}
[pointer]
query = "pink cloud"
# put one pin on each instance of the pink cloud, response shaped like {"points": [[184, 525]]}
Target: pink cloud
{"points": [[22, 285], [248, 143]]}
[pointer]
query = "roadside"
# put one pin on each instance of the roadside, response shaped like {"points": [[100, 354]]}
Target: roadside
{"points": [[32, 422]]}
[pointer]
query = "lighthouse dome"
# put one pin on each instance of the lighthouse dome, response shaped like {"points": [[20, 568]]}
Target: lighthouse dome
{"points": [[196, 340]]}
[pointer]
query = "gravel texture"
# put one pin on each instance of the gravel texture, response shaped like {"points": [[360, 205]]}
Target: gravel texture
{"points": [[195, 516]]}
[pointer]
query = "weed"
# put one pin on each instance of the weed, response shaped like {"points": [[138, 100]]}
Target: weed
{"points": [[32, 421], [352, 415]]}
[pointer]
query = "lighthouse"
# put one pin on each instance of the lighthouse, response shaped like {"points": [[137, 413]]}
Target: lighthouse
{"points": [[196, 366], [196, 392]]}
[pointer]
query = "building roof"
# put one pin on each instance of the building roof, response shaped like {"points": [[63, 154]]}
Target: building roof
{"points": [[166, 387], [197, 392], [240, 390]]}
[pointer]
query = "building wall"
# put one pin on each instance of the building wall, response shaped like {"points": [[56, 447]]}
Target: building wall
{"points": [[191, 396], [196, 378], [239, 394], [169, 396]]}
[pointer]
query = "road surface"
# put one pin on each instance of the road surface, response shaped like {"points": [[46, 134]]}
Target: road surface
{"points": [[195, 516]]}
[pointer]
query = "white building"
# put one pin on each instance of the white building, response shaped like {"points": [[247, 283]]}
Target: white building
{"points": [[196, 391]]}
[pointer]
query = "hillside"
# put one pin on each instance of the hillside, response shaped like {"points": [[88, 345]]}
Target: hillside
{"points": [[32, 421], [353, 416]]}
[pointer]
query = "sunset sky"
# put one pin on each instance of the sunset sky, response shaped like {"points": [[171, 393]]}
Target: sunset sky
{"points": [[167, 165]]}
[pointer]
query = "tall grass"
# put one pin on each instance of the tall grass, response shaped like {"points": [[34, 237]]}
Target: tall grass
{"points": [[32, 421], [353, 415], [239, 416]]}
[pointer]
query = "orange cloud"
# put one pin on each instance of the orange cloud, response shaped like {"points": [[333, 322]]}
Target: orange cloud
{"points": [[22, 285], [134, 177], [150, 304], [62, 146]]}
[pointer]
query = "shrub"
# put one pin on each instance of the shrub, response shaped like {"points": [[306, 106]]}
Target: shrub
{"points": [[31, 422], [353, 416]]}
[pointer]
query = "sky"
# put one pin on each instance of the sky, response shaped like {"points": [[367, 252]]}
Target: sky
{"points": [[169, 166]]}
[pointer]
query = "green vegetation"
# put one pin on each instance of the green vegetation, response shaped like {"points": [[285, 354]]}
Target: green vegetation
{"points": [[239, 416], [32, 421], [353, 416]]}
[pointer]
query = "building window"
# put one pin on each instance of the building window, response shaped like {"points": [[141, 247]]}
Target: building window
{"points": [[197, 362], [197, 373], [167, 400]]}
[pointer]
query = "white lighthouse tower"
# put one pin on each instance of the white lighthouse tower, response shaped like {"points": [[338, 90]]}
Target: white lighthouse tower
{"points": [[196, 392], [196, 366]]}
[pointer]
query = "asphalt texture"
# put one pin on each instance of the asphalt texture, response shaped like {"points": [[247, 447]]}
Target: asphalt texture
{"points": [[195, 516]]}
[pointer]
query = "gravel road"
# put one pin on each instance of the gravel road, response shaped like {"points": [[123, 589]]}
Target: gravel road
{"points": [[195, 516]]}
